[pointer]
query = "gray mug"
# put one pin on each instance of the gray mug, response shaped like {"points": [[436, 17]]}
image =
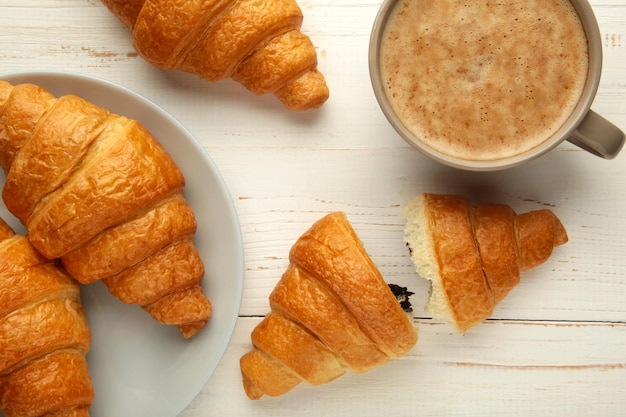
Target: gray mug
{"points": [[582, 127]]}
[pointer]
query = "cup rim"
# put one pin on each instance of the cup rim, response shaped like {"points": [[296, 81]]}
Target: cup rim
{"points": [[594, 42]]}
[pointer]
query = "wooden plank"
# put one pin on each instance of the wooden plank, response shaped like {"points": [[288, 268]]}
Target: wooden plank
{"points": [[499, 368]]}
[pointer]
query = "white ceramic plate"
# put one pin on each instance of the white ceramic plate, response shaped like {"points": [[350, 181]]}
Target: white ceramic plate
{"points": [[140, 368]]}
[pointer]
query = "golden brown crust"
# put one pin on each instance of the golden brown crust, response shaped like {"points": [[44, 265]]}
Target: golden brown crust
{"points": [[131, 171], [98, 191], [168, 270], [305, 92], [44, 335], [67, 131], [217, 39], [19, 116], [263, 375], [5, 92], [125, 10], [479, 252], [5, 231], [237, 33], [111, 252], [265, 71], [457, 255], [331, 251], [301, 297], [311, 361], [498, 256], [187, 308], [29, 277], [180, 23], [538, 232], [331, 311], [42, 327], [58, 382]]}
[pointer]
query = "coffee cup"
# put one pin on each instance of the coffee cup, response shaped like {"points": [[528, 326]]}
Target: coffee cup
{"points": [[487, 86]]}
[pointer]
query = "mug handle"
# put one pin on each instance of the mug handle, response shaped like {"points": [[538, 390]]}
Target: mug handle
{"points": [[598, 136]]}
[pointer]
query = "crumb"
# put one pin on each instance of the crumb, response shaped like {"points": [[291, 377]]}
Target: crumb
{"points": [[410, 248]]}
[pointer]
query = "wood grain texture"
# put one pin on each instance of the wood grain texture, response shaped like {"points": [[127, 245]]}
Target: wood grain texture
{"points": [[555, 346]]}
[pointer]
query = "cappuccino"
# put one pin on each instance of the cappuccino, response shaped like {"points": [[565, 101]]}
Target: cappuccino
{"points": [[483, 80]]}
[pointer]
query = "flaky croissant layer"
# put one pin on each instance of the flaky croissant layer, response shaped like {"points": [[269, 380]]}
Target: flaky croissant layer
{"points": [[98, 191], [44, 337], [258, 43], [331, 312]]}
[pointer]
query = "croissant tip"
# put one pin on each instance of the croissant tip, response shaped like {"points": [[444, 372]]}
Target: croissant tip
{"points": [[189, 330], [252, 391], [560, 234], [304, 105], [309, 91]]}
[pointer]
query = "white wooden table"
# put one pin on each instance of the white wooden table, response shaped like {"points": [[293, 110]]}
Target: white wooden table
{"points": [[555, 346]]}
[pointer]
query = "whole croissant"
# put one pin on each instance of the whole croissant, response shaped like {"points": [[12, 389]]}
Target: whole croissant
{"points": [[331, 311], [44, 335], [256, 42], [473, 255], [96, 190]]}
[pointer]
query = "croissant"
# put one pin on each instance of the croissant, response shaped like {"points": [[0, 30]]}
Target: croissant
{"points": [[331, 311], [44, 335], [258, 43], [473, 255], [97, 190]]}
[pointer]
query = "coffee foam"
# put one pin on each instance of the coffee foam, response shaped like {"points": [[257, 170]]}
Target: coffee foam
{"points": [[484, 80]]}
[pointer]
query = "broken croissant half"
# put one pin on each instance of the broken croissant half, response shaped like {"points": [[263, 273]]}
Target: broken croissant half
{"points": [[258, 43], [331, 311], [98, 191], [44, 336], [473, 254]]}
